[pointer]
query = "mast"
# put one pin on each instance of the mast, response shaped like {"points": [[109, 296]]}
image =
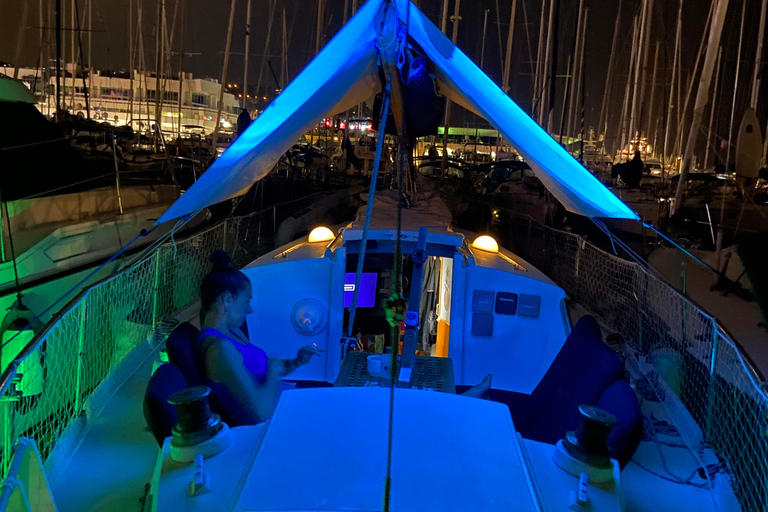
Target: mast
{"points": [[82, 64], [58, 60], [640, 52], [546, 70], [143, 86], [628, 88], [715, 32], [43, 52], [568, 79], [735, 86], [72, 58], [508, 55], [320, 17], [20, 41], [646, 46], [227, 46], [579, 71], [454, 37], [48, 17], [247, 47], [159, 39], [89, 90], [758, 58], [498, 32], [482, 44], [603, 122], [553, 64], [576, 56], [444, 17], [272, 8], [130, 60], [653, 91], [712, 108], [284, 48], [539, 65], [682, 114], [182, 27], [580, 83]]}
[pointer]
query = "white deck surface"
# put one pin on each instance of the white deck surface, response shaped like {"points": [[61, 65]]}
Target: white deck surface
{"points": [[111, 467], [114, 462]]}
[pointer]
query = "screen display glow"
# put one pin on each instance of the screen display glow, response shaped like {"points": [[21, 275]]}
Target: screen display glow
{"points": [[367, 296]]}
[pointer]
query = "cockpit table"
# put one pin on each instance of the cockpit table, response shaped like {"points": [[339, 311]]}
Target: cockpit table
{"points": [[429, 373]]}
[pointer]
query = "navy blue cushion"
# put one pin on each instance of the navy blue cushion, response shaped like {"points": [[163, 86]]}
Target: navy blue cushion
{"points": [[620, 400], [583, 369], [181, 347], [159, 414]]}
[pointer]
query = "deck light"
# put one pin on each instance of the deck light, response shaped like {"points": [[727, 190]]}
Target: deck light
{"points": [[486, 243], [320, 234]]}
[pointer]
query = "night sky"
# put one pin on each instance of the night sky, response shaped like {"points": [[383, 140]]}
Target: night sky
{"points": [[206, 25]]}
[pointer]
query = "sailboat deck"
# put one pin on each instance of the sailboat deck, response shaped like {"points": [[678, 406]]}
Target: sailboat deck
{"points": [[117, 453], [112, 466]]}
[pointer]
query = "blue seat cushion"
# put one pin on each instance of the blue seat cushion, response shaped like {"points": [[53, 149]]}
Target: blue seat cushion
{"points": [[583, 369], [181, 347], [621, 401], [158, 413]]}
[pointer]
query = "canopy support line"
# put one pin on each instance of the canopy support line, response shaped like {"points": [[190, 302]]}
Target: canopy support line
{"points": [[369, 207], [686, 252]]}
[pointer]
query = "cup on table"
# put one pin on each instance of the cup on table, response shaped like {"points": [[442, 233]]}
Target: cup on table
{"points": [[380, 365], [374, 365]]}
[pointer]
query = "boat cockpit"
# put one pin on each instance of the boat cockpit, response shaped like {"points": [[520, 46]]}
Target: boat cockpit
{"points": [[481, 310]]}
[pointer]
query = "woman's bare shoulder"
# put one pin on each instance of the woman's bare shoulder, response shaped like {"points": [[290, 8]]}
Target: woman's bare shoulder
{"points": [[215, 348]]}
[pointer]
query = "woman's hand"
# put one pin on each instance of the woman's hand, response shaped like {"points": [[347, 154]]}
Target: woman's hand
{"points": [[306, 353]]}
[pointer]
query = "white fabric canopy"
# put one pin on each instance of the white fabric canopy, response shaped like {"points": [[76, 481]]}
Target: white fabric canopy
{"points": [[345, 73]]}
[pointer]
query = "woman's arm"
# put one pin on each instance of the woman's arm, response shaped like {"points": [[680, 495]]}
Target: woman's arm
{"points": [[287, 366], [303, 356], [255, 401]]}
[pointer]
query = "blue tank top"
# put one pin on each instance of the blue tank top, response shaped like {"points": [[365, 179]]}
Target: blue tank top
{"points": [[256, 363]]}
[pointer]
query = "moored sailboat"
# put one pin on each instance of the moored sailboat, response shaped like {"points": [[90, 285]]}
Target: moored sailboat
{"points": [[326, 449]]}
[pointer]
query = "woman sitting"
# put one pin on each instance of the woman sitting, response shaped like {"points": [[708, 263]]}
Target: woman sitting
{"points": [[245, 384]]}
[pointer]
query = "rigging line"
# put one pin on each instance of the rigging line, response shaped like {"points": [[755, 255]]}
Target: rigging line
{"points": [[161, 240], [687, 253], [40, 194], [604, 229], [22, 146], [86, 92], [623, 246], [397, 284], [369, 206]]}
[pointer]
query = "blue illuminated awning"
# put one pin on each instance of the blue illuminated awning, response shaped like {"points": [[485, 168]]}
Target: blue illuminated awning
{"points": [[345, 73]]}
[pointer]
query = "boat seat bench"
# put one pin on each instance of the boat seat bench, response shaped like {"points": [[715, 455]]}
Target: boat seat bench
{"points": [[586, 371]]}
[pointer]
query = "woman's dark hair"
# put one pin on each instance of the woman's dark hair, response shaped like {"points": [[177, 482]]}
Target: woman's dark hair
{"points": [[223, 278]]}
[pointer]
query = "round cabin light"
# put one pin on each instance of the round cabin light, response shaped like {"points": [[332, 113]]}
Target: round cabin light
{"points": [[321, 234], [486, 243]]}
